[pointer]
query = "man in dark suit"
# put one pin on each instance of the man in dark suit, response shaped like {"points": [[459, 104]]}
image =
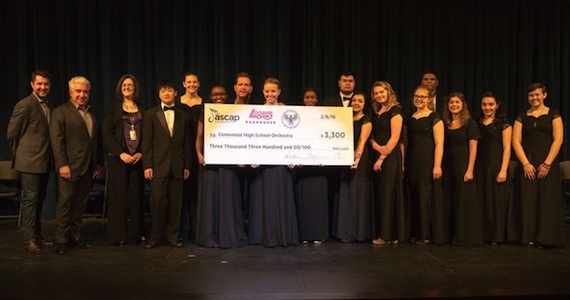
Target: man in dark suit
{"points": [[28, 136], [346, 84], [166, 163], [74, 135]]}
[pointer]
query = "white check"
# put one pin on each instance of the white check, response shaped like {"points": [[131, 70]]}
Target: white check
{"points": [[277, 135]]}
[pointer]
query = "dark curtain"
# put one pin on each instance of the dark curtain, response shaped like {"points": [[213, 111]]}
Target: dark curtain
{"points": [[475, 46]]}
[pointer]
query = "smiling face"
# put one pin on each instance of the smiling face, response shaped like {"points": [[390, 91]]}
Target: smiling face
{"points": [[310, 98], [128, 88], [455, 105], [358, 102], [191, 84], [380, 95], [243, 87], [41, 86], [79, 94], [218, 95], [271, 92], [421, 98], [536, 98], [489, 107], [167, 95]]}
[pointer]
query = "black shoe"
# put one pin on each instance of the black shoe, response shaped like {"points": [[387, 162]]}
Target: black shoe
{"points": [[78, 243], [60, 249]]}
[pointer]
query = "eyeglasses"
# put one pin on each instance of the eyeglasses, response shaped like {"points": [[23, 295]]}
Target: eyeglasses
{"points": [[128, 85], [218, 94], [421, 97]]}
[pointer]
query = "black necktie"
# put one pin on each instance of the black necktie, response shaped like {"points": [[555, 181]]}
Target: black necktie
{"points": [[167, 108], [345, 98]]}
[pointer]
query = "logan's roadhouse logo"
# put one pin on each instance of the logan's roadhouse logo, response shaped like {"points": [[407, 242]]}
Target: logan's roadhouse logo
{"points": [[217, 117], [260, 117]]}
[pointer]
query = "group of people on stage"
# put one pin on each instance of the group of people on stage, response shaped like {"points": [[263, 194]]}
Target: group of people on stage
{"points": [[424, 170]]}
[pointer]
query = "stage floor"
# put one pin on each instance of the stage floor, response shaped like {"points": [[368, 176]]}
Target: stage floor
{"points": [[328, 271]]}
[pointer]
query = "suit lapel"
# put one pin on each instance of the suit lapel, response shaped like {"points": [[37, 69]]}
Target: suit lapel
{"points": [[162, 119]]}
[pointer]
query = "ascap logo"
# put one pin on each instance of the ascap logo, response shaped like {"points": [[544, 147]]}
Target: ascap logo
{"points": [[215, 116], [256, 114], [290, 119]]}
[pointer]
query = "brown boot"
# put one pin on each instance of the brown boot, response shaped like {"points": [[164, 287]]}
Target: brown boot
{"points": [[32, 247]]}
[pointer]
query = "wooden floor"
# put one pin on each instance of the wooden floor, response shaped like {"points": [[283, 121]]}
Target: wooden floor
{"points": [[329, 271]]}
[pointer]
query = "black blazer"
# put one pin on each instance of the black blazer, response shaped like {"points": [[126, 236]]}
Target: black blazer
{"points": [[164, 153], [333, 101], [113, 141], [28, 136], [71, 142]]}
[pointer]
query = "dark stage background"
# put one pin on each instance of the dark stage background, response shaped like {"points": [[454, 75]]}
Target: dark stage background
{"points": [[475, 46]]}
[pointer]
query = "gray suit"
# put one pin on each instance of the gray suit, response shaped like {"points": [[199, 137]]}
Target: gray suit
{"points": [[72, 146], [28, 137]]}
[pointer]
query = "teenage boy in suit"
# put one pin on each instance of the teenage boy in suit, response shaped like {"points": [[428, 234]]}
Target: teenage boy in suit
{"points": [[166, 163]]}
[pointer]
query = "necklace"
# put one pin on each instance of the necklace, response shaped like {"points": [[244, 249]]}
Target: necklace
{"points": [[538, 116], [130, 107]]}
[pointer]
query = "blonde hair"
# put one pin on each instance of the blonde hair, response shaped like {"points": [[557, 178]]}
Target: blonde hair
{"points": [[392, 98]]}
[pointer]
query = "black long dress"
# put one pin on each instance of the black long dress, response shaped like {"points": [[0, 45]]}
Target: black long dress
{"points": [[355, 196], [188, 220], [219, 206], [495, 196], [390, 211], [424, 193], [272, 214], [540, 200], [461, 198], [311, 199]]}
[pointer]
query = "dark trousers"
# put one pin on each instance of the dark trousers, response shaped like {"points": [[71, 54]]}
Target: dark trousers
{"points": [[70, 206], [125, 186], [34, 188], [165, 206]]}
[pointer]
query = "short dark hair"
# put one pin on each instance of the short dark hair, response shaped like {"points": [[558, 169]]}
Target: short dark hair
{"points": [[42, 73], [431, 72], [119, 93], [345, 73], [535, 86], [165, 84], [243, 74]]}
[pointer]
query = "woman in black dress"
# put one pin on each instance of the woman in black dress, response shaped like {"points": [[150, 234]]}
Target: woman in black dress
{"points": [[125, 183], [493, 155], [272, 214], [390, 211], [355, 196], [311, 197], [191, 105], [459, 185], [537, 137], [423, 142], [220, 212]]}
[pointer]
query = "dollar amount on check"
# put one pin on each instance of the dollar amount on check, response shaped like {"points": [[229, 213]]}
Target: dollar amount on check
{"points": [[277, 135]]}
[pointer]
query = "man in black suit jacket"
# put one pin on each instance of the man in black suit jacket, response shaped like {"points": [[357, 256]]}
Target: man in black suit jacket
{"points": [[28, 136], [346, 84], [74, 133], [166, 163]]}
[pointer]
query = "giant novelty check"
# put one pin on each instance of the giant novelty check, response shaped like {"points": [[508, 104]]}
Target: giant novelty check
{"points": [[277, 135]]}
